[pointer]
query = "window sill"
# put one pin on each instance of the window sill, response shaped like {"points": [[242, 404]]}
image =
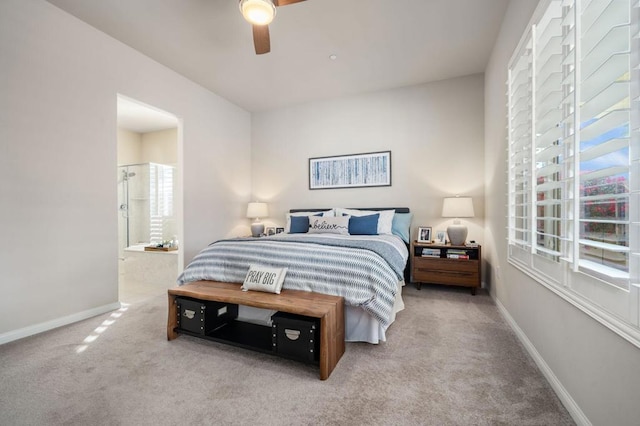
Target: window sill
{"points": [[623, 329]]}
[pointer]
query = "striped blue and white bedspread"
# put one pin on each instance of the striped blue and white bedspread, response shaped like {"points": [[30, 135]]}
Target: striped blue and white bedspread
{"points": [[365, 270]]}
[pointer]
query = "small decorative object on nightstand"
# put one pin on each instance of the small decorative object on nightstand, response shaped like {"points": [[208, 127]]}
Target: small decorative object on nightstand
{"points": [[424, 234], [446, 264]]}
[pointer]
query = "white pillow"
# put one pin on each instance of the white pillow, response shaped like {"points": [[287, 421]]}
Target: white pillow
{"points": [[329, 225], [287, 227], [261, 278], [385, 221]]}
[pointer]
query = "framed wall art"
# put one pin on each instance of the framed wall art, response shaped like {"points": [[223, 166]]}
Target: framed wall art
{"points": [[350, 171]]}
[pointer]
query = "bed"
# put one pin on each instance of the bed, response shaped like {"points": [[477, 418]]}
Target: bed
{"points": [[367, 270]]}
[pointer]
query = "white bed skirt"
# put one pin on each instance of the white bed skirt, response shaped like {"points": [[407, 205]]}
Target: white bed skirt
{"points": [[362, 327], [359, 325]]}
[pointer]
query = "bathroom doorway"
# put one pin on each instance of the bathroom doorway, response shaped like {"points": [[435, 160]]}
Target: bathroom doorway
{"points": [[149, 200]]}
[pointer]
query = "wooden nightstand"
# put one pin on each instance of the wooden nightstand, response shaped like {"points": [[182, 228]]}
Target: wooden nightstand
{"points": [[446, 264]]}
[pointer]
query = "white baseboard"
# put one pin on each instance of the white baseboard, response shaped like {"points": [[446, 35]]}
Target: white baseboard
{"points": [[570, 404], [10, 336]]}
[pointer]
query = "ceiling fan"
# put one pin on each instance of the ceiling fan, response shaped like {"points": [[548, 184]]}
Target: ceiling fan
{"points": [[260, 13]]}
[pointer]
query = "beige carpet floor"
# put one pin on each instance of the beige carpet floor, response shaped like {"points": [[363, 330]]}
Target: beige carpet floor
{"points": [[449, 359]]}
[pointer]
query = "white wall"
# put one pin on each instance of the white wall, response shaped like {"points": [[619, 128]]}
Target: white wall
{"points": [[59, 79], [596, 372], [434, 131]]}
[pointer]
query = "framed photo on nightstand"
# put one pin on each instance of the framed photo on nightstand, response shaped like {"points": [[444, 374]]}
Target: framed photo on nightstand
{"points": [[424, 234]]}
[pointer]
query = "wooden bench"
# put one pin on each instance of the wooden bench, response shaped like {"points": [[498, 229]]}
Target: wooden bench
{"points": [[329, 309]]}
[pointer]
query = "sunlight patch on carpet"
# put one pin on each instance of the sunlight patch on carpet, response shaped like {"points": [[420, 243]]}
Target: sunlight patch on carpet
{"points": [[101, 328]]}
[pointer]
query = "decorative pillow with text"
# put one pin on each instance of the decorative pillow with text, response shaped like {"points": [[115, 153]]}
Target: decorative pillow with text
{"points": [[261, 278], [287, 226], [329, 225]]}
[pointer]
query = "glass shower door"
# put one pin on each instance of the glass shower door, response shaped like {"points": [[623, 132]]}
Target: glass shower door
{"points": [[133, 205]]}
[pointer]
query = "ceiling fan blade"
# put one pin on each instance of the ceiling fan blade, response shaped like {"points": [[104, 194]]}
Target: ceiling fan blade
{"points": [[261, 40], [285, 2]]}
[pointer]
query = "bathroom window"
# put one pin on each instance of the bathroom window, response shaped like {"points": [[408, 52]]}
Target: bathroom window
{"points": [[161, 211]]}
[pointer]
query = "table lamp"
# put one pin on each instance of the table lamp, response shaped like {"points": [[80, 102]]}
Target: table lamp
{"points": [[256, 211], [457, 207]]}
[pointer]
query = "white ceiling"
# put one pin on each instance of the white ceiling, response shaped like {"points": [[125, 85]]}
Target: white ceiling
{"points": [[380, 44], [140, 118]]}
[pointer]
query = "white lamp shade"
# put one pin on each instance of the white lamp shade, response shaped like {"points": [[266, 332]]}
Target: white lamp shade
{"points": [[257, 210], [258, 12], [457, 207]]}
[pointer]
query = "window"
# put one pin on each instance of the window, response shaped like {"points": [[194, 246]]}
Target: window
{"points": [[161, 215], [574, 156]]}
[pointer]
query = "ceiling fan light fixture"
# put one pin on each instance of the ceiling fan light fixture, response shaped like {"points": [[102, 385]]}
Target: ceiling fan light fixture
{"points": [[258, 12]]}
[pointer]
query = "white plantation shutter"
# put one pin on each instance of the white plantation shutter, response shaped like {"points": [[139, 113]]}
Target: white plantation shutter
{"points": [[547, 78], [161, 190], [604, 99], [520, 151], [574, 156], [569, 129]]}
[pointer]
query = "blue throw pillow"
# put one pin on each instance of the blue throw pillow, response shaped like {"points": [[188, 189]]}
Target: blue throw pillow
{"points": [[364, 225], [299, 224], [401, 226]]}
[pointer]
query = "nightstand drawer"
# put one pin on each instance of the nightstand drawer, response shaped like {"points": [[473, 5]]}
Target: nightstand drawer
{"points": [[469, 278], [446, 265]]}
